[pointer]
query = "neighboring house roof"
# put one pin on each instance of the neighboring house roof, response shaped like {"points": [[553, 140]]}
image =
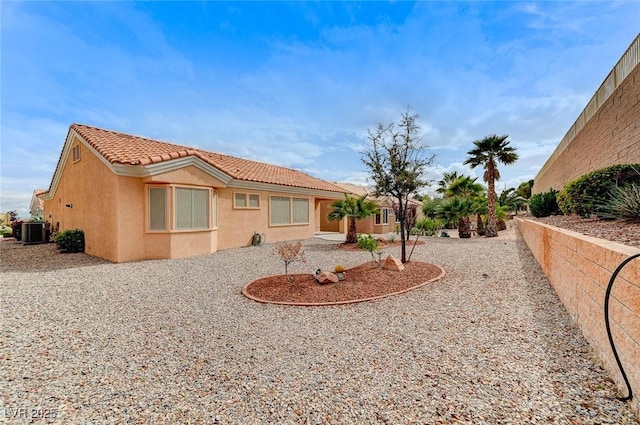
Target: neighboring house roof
{"points": [[354, 189], [359, 190], [37, 204], [124, 151]]}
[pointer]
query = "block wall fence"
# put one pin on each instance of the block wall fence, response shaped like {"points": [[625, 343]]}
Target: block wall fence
{"points": [[606, 133], [579, 268]]}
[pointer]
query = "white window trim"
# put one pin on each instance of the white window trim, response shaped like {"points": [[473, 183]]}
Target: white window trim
{"points": [[247, 198], [291, 223], [384, 217]]}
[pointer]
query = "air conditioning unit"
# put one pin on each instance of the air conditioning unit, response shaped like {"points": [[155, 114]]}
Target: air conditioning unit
{"points": [[32, 233]]}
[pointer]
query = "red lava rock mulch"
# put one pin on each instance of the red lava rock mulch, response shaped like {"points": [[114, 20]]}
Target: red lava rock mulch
{"points": [[362, 283], [621, 231]]}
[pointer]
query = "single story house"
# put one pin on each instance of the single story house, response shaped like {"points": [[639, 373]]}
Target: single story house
{"points": [[36, 208], [137, 198], [379, 224]]}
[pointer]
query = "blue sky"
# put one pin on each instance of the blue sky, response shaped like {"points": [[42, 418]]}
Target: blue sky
{"points": [[299, 84]]}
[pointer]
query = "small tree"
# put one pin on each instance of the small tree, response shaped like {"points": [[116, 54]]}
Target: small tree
{"points": [[396, 160], [290, 252], [371, 244]]}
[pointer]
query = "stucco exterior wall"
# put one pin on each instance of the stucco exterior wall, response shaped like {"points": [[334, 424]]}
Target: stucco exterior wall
{"points": [[579, 269], [236, 226], [92, 210], [611, 136], [325, 224]]}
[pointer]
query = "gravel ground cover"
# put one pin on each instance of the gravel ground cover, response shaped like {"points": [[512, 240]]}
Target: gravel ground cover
{"points": [[174, 341]]}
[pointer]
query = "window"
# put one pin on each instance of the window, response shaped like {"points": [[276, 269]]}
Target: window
{"points": [[157, 208], [214, 209], [75, 153], [285, 210], [383, 216], [192, 208], [246, 200]]}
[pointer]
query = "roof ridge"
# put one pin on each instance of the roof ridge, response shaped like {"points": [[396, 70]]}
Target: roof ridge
{"points": [[124, 148]]}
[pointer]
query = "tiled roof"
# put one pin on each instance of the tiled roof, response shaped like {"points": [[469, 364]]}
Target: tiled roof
{"points": [[359, 190], [354, 189], [121, 148]]}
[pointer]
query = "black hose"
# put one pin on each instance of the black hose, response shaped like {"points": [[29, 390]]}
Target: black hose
{"points": [[606, 321]]}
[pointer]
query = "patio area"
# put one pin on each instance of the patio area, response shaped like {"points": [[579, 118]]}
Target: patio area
{"points": [[175, 341]]}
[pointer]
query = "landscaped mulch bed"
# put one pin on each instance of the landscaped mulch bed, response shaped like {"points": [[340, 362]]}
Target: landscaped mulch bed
{"points": [[621, 231], [363, 282]]}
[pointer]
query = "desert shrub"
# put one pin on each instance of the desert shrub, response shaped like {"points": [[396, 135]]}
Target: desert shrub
{"points": [[70, 240], [6, 230], [588, 193], [339, 268], [369, 243], [428, 226], [544, 204], [624, 202], [290, 252]]}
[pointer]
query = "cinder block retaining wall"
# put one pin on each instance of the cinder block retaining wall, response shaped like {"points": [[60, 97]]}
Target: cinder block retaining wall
{"points": [[579, 269]]}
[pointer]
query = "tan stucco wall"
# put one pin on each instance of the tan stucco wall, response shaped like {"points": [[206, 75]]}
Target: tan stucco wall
{"points": [[91, 187], [190, 175], [323, 213], [610, 137], [236, 226], [579, 269]]}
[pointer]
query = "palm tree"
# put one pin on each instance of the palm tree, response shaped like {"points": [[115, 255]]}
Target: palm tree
{"points": [[489, 152], [469, 192], [447, 179], [509, 198], [355, 209], [464, 187], [479, 209], [458, 209]]}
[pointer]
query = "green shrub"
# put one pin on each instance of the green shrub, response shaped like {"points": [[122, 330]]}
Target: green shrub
{"points": [[428, 226], [70, 240], [544, 204], [587, 194], [368, 243]]}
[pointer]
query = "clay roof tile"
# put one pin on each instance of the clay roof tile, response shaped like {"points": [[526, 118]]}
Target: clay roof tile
{"points": [[121, 148]]}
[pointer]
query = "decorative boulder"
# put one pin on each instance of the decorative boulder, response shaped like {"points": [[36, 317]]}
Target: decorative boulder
{"points": [[392, 263], [326, 277]]}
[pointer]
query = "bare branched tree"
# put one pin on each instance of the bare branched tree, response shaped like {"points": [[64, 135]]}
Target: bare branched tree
{"points": [[397, 160]]}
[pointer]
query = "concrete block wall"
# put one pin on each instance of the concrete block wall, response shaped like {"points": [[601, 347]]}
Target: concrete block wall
{"points": [[610, 137], [607, 132], [579, 269]]}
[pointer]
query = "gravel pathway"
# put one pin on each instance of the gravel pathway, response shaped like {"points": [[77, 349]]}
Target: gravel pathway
{"points": [[174, 341]]}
